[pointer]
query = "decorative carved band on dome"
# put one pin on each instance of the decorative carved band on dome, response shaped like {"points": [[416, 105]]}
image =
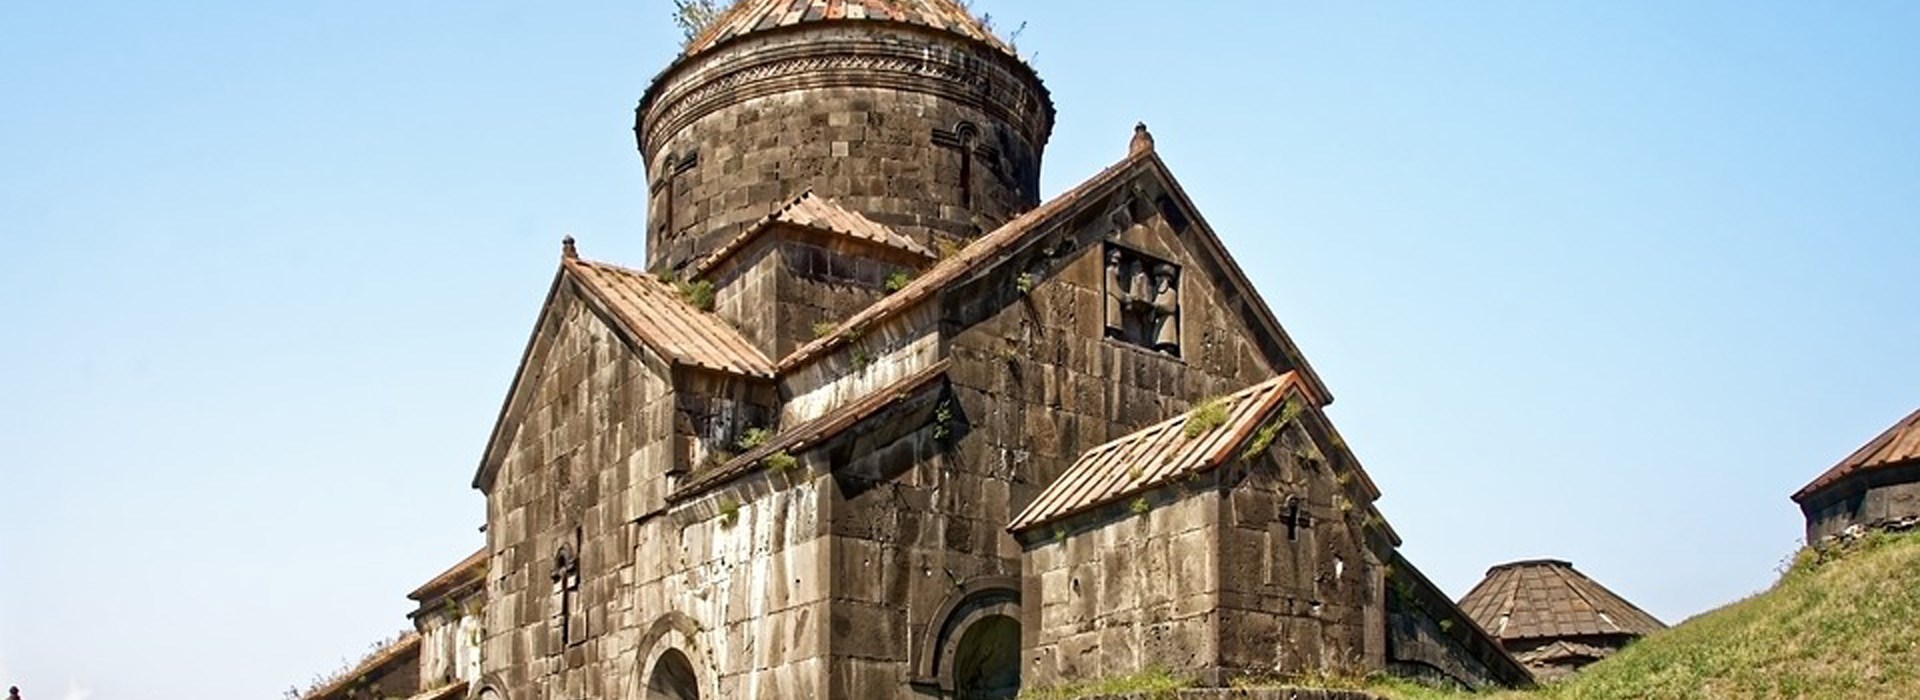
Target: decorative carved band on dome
{"points": [[950, 73]]}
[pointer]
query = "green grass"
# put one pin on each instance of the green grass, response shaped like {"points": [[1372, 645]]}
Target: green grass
{"points": [[1150, 685], [1839, 624], [1212, 413]]}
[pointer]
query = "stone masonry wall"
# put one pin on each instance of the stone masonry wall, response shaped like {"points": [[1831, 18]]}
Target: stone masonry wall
{"points": [[869, 116], [1035, 383], [1138, 592], [1888, 496], [781, 288], [591, 452], [737, 580], [1296, 597]]}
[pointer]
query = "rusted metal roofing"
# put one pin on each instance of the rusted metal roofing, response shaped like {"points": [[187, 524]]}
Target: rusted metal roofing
{"points": [[813, 432], [816, 213], [1159, 454], [471, 569], [404, 650], [1899, 445], [975, 256], [656, 315], [1548, 598], [750, 16]]}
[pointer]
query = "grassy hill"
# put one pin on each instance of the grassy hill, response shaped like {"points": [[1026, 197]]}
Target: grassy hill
{"points": [[1840, 624], [1843, 624]]}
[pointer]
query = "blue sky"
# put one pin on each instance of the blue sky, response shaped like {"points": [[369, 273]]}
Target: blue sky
{"points": [[1600, 281]]}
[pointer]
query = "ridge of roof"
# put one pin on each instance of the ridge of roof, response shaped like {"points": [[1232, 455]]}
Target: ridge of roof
{"points": [[945, 272], [657, 316], [473, 567], [1897, 445], [1158, 454], [814, 213], [748, 17], [811, 433], [1549, 598]]}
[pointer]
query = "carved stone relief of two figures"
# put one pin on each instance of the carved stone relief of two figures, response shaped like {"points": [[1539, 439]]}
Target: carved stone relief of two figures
{"points": [[1143, 300]]}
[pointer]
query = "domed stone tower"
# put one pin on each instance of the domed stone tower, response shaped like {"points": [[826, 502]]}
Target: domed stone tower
{"points": [[909, 112]]}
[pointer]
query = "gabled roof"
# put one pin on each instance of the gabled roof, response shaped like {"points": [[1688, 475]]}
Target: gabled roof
{"points": [[975, 256], [985, 252], [1899, 445], [471, 569], [815, 213], [403, 650], [810, 434], [1160, 454], [643, 311], [1548, 598], [657, 316], [751, 16]]}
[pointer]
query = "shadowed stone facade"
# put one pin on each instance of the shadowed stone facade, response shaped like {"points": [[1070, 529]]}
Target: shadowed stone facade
{"points": [[789, 462]]}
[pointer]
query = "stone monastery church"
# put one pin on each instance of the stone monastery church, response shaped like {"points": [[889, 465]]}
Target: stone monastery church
{"points": [[874, 421]]}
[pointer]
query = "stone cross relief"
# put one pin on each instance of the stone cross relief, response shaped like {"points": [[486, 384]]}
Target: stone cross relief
{"points": [[1143, 300]]}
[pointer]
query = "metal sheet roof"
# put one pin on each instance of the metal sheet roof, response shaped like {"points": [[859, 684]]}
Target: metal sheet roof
{"points": [[657, 316], [1159, 454], [1548, 598], [1900, 444], [470, 569], [811, 211]]}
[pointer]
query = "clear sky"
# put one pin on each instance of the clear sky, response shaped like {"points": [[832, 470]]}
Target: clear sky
{"points": [[1598, 281]]}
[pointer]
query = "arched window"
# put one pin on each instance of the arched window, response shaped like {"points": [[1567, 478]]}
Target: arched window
{"points": [[672, 678]]}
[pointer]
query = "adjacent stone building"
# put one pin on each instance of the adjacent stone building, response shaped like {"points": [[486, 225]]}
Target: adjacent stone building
{"points": [[439, 659], [1877, 486], [873, 421], [1553, 618]]}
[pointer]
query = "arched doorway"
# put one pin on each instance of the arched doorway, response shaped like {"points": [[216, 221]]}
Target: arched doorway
{"points": [[986, 663], [672, 678]]}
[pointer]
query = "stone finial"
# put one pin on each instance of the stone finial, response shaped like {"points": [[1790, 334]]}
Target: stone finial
{"points": [[567, 250], [1142, 140]]}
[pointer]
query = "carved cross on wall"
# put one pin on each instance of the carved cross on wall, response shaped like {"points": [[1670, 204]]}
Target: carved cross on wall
{"points": [[671, 183]]}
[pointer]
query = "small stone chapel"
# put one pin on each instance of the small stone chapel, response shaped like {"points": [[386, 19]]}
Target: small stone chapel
{"points": [[872, 420]]}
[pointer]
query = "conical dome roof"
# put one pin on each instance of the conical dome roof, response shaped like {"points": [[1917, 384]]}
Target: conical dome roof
{"points": [[1548, 599], [751, 16]]}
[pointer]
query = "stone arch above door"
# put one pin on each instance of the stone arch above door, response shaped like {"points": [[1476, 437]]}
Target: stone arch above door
{"points": [[984, 611], [672, 664]]}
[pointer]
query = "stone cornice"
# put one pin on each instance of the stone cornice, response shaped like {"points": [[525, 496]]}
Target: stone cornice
{"points": [[991, 81]]}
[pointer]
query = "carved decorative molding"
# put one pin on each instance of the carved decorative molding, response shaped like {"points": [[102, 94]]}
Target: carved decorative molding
{"points": [[953, 73]]}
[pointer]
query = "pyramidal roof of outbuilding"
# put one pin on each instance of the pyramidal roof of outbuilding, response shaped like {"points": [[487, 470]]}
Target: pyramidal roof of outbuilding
{"points": [[1547, 599], [753, 16], [1899, 445]]}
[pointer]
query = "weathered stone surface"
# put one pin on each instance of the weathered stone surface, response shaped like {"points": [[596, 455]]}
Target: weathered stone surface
{"points": [[933, 134], [633, 552]]}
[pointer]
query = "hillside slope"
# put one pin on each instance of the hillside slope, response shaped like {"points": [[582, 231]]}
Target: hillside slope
{"points": [[1841, 625]]}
